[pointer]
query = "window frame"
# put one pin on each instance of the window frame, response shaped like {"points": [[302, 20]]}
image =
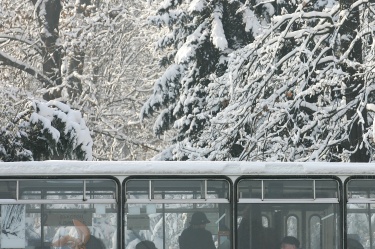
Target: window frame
{"points": [[43, 202], [228, 200], [340, 200]]}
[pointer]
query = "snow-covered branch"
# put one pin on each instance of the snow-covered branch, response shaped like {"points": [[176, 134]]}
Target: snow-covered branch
{"points": [[7, 60]]}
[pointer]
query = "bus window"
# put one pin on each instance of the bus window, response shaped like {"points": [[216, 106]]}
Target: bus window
{"points": [[8, 189], [265, 221], [59, 212], [361, 212], [315, 232], [292, 226], [289, 204], [160, 209]]}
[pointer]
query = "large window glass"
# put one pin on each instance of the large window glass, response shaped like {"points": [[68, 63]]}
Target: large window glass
{"points": [[293, 207], [159, 210], [361, 212], [59, 213]]}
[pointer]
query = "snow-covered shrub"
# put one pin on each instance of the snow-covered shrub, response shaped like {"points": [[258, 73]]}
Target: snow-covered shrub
{"points": [[45, 131]]}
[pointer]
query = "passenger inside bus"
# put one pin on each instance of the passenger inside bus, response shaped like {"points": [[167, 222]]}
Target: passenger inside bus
{"points": [[146, 244], [78, 238], [244, 229], [290, 242], [252, 233], [196, 236], [353, 244], [92, 243]]}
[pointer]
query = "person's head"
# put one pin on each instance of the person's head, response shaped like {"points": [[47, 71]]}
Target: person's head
{"points": [[146, 244], [95, 243], [199, 219], [353, 244], [289, 242]]}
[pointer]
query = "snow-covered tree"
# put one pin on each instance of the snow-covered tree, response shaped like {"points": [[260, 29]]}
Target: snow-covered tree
{"points": [[298, 92], [120, 67], [201, 35], [46, 131], [92, 55]]}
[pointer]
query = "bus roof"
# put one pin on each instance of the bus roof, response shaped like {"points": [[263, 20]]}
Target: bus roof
{"points": [[232, 168]]}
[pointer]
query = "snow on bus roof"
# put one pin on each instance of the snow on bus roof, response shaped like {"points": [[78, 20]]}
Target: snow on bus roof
{"points": [[186, 167]]}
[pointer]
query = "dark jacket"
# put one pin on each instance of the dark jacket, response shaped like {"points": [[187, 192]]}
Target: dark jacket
{"points": [[243, 239], [196, 238]]}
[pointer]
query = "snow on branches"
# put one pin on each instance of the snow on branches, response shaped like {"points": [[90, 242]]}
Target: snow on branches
{"points": [[45, 131], [201, 34], [298, 92]]}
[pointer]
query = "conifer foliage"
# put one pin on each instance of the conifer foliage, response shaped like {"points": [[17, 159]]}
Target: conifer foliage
{"points": [[299, 88], [201, 35], [46, 131]]}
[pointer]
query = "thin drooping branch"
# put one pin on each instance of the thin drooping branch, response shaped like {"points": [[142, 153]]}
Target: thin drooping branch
{"points": [[7, 60], [22, 40]]}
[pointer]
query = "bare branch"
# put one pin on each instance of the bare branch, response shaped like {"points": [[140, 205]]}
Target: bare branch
{"points": [[7, 60]]}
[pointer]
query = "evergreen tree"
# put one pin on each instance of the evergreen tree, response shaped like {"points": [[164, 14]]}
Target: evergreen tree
{"points": [[300, 91], [201, 35], [46, 131]]}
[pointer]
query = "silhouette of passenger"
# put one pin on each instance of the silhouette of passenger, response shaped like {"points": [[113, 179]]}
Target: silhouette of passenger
{"points": [[196, 236], [290, 242], [146, 244], [353, 244]]}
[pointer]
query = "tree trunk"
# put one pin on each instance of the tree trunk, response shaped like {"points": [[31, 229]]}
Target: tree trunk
{"points": [[76, 63], [354, 84], [48, 12]]}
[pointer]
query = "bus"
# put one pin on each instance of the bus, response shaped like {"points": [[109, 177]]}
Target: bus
{"points": [[250, 205]]}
